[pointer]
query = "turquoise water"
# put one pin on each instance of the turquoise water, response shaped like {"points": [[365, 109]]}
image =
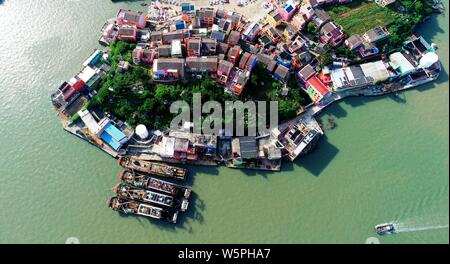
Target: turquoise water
{"points": [[387, 160]]}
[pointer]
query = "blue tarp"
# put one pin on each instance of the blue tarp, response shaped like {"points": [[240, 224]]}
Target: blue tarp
{"points": [[179, 24]]}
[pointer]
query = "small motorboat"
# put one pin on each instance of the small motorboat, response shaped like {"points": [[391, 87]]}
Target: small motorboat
{"points": [[383, 229]]}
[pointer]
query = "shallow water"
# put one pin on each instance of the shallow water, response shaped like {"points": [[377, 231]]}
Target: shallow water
{"points": [[387, 160]]}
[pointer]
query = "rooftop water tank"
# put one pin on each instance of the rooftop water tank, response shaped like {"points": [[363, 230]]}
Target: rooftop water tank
{"points": [[428, 59], [141, 131]]}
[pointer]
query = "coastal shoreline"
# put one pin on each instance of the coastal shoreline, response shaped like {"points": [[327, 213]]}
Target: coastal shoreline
{"points": [[308, 116]]}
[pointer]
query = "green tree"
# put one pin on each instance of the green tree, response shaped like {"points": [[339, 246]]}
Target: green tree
{"points": [[419, 7], [310, 28]]}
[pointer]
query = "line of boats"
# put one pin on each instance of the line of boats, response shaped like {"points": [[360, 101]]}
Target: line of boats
{"points": [[154, 168], [139, 193]]}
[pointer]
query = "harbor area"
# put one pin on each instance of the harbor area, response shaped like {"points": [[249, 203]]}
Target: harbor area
{"points": [[141, 192]]}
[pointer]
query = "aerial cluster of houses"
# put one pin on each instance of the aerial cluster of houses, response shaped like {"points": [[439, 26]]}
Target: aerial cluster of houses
{"points": [[226, 47], [75, 92], [202, 42], [72, 99], [219, 43], [286, 28]]}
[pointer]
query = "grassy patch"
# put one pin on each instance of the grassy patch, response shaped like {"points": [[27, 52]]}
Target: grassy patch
{"points": [[359, 16]]}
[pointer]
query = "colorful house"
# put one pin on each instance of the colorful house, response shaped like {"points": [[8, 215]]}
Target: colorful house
{"points": [[251, 62], [70, 91], [176, 48], [218, 36], [301, 59], [313, 3], [307, 10], [222, 48], [288, 10], [367, 50], [221, 13], [236, 20], [113, 136], [332, 34], [164, 51], [274, 18], [299, 21], [140, 55], [316, 89]]}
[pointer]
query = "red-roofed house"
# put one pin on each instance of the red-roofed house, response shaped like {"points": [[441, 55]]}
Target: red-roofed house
{"points": [[132, 18], [127, 33], [316, 89], [233, 54]]}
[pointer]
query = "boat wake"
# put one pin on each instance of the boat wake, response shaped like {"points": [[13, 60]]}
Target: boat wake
{"points": [[405, 228]]}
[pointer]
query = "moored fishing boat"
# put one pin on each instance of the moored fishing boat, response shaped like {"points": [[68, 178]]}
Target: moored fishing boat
{"points": [[126, 206], [159, 169], [151, 183], [134, 193]]}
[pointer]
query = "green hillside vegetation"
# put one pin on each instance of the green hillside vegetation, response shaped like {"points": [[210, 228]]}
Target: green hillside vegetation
{"points": [[400, 18], [133, 96]]}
